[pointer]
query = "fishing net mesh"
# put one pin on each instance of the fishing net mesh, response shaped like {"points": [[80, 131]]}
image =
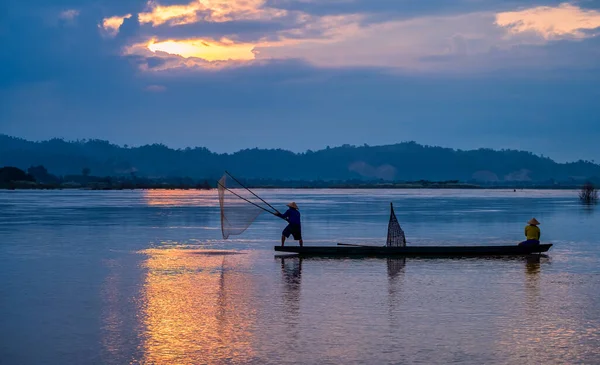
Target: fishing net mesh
{"points": [[237, 214], [395, 236]]}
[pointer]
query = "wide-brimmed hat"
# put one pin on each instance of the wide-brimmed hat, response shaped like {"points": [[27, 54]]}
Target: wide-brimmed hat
{"points": [[293, 205], [533, 221]]}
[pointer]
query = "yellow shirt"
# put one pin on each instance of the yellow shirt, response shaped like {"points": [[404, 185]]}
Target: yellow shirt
{"points": [[532, 232]]}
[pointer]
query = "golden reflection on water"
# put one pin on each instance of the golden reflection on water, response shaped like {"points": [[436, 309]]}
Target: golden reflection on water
{"points": [[196, 308], [215, 307], [162, 197]]}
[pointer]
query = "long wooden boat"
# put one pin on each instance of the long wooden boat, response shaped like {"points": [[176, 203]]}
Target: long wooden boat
{"points": [[426, 251]]}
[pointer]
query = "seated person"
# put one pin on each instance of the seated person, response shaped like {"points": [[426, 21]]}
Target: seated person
{"points": [[532, 233]]}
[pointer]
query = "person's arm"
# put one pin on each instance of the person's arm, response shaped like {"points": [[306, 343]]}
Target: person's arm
{"points": [[285, 215], [539, 232], [526, 231]]}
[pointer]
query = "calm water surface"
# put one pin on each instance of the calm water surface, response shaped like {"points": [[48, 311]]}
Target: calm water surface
{"points": [[144, 277]]}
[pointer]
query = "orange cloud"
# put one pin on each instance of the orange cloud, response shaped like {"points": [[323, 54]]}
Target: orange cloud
{"points": [[208, 10], [456, 42], [565, 20], [205, 49], [175, 14], [201, 53], [111, 25]]}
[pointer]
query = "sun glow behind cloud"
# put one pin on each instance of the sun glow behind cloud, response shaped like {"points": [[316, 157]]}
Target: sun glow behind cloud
{"points": [[440, 42], [209, 50]]}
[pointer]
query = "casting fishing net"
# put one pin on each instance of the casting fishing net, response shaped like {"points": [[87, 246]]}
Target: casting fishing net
{"points": [[395, 236], [239, 206]]}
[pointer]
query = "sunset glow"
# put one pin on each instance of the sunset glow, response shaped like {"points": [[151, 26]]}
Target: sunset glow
{"points": [[551, 22], [208, 50], [209, 11], [196, 307], [343, 40], [177, 14]]}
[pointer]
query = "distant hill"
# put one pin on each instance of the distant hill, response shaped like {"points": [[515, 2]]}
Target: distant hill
{"points": [[407, 161]]}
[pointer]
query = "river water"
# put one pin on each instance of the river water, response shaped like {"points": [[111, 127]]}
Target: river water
{"points": [[144, 277]]}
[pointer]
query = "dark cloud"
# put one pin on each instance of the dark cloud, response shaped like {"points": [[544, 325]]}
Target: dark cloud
{"points": [[154, 62], [550, 60], [43, 7], [402, 9], [174, 2], [128, 30], [243, 31]]}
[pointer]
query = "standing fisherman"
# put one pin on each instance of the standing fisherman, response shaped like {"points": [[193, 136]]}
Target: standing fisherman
{"points": [[292, 215]]}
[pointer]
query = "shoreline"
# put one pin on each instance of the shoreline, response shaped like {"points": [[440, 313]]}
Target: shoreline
{"points": [[299, 187]]}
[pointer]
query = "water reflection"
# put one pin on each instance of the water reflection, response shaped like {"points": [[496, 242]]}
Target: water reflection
{"points": [[542, 327], [119, 327], [67, 253], [112, 329], [197, 308], [395, 271], [291, 270], [532, 284], [205, 198], [588, 208], [395, 266]]}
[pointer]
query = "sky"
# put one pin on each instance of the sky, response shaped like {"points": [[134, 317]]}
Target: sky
{"points": [[305, 74]]}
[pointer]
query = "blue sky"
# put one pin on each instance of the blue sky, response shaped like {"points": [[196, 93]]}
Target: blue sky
{"points": [[304, 74]]}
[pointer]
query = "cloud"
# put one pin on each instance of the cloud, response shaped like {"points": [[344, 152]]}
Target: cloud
{"points": [[111, 25], [203, 52], [564, 21], [70, 14], [174, 14], [242, 30], [209, 11], [342, 41], [457, 73], [206, 49], [465, 42], [200, 54], [434, 43]]}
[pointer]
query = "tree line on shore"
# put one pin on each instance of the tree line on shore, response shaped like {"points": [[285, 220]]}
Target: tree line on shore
{"points": [[38, 177], [406, 161]]}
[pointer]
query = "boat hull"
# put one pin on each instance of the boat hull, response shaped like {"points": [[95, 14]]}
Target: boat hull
{"points": [[426, 251]]}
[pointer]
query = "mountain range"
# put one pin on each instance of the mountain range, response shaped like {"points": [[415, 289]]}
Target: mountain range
{"points": [[406, 161]]}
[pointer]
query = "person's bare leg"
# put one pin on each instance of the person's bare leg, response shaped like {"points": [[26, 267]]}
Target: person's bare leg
{"points": [[282, 240]]}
